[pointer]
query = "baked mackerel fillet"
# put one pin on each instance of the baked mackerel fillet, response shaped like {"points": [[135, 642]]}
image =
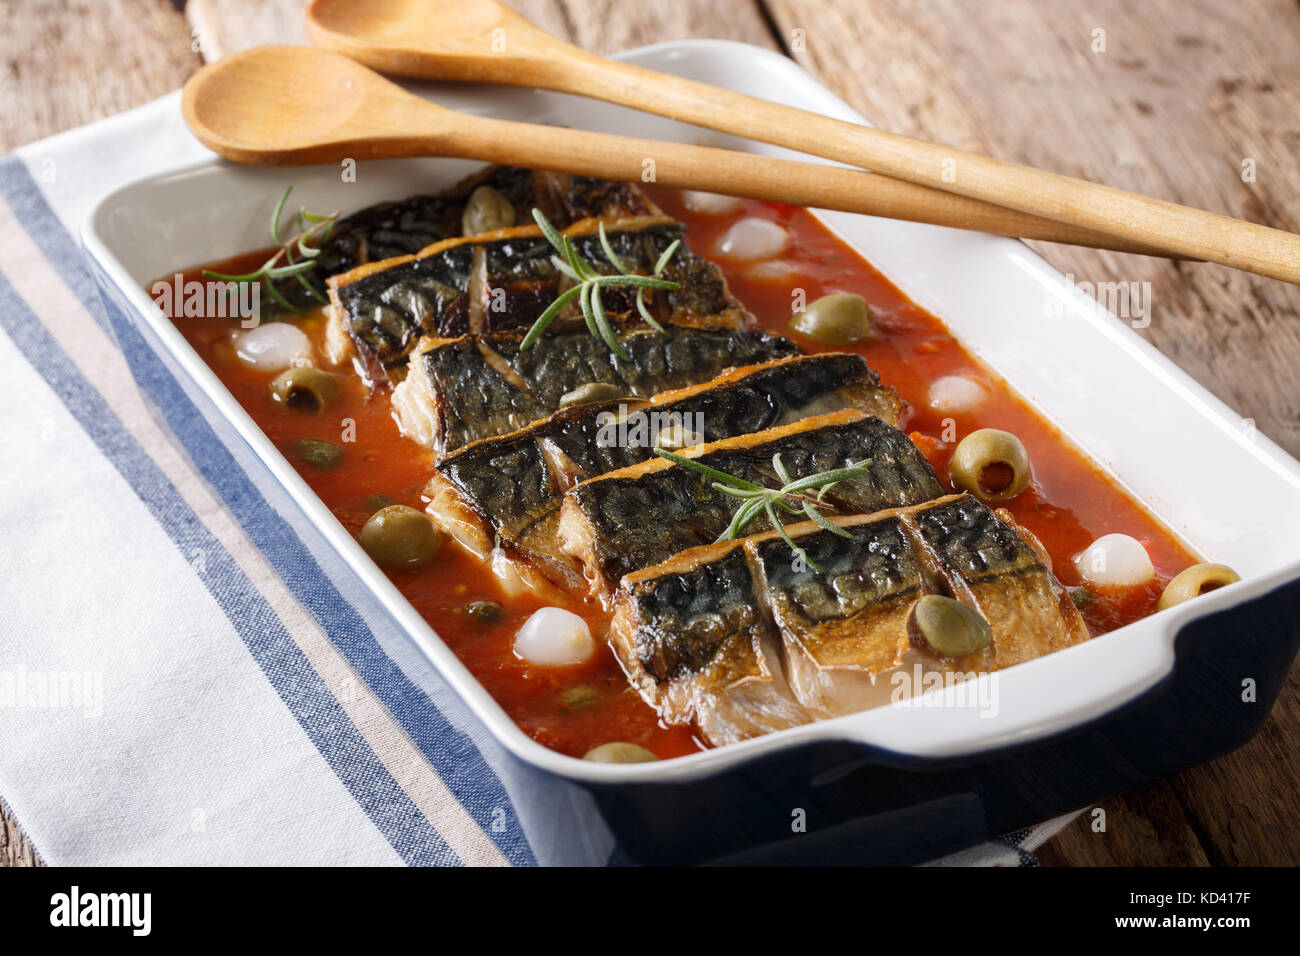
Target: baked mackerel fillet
{"points": [[505, 280], [843, 633], [505, 492], [694, 640], [403, 228], [635, 517], [461, 390]]}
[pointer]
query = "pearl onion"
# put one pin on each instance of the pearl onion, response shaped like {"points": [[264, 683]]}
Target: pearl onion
{"points": [[554, 637], [955, 393], [1115, 560], [753, 238], [712, 204], [273, 346]]}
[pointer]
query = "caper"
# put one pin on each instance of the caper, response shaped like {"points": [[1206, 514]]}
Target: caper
{"points": [[318, 452], [836, 319], [951, 628], [1195, 581], [400, 536], [578, 698], [304, 387], [376, 501], [486, 210], [991, 464], [485, 612], [590, 393], [619, 752], [1079, 595]]}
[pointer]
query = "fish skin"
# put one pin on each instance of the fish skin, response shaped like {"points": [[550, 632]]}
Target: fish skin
{"points": [[515, 483], [507, 279], [844, 630], [697, 646], [462, 388], [404, 227], [984, 561], [604, 522]]}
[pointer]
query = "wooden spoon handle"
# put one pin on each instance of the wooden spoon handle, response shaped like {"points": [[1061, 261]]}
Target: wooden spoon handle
{"points": [[1141, 220], [757, 177]]}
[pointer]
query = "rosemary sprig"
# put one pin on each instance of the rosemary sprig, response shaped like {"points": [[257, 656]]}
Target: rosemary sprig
{"points": [[308, 226], [590, 283], [792, 497]]}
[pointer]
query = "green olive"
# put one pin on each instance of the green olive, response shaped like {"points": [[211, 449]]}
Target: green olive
{"points": [[619, 753], [836, 319], [991, 464], [400, 536], [485, 612], [951, 628], [486, 210], [1195, 581], [304, 387], [318, 452], [591, 393]]}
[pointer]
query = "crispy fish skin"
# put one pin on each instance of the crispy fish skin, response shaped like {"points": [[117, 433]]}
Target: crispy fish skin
{"points": [[635, 517], [844, 631], [843, 626], [461, 390], [695, 643], [390, 229], [506, 279], [985, 561], [512, 486]]}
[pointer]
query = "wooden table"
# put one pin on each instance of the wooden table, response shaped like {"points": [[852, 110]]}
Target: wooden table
{"points": [[1167, 98]]}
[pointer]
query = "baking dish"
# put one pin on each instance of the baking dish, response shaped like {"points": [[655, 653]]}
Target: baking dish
{"points": [[900, 783]]}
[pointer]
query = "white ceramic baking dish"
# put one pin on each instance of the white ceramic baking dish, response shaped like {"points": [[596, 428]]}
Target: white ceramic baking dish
{"points": [[1228, 491]]}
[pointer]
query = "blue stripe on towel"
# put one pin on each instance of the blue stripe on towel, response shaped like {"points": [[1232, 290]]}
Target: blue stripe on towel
{"points": [[302, 690], [452, 754]]}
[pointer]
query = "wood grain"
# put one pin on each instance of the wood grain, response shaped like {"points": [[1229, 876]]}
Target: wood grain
{"points": [[64, 63], [1183, 93]]}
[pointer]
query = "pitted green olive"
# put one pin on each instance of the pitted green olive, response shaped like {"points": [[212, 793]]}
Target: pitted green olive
{"points": [[486, 210], [1195, 581], [951, 628], [619, 752], [400, 536], [318, 452], [590, 393], [305, 387], [991, 464], [836, 319]]}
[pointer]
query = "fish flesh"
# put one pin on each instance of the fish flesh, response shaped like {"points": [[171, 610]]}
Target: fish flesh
{"points": [[839, 637], [505, 492], [694, 641], [461, 390], [402, 228], [1002, 571], [505, 280], [629, 519]]}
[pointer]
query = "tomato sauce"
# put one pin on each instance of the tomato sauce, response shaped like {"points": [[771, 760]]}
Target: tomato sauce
{"points": [[1069, 503]]}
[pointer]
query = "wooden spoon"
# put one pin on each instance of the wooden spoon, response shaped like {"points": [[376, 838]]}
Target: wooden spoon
{"points": [[481, 40], [292, 105]]}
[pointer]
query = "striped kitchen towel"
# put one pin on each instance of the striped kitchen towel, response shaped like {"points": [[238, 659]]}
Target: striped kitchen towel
{"points": [[188, 675]]}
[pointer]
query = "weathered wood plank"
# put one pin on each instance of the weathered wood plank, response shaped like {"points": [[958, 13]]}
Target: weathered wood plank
{"points": [[1178, 98], [63, 64]]}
